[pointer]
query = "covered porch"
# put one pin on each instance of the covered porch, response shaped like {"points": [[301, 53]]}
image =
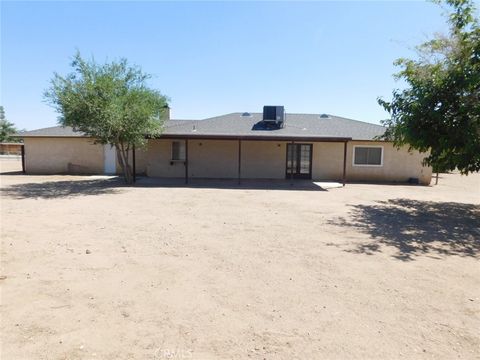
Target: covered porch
{"points": [[244, 158]]}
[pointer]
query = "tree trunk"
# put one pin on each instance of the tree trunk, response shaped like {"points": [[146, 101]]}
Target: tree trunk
{"points": [[122, 156], [436, 179]]}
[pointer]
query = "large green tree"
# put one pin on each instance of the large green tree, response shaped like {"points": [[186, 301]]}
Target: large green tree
{"points": [[439, 110], [110, 102], [7, 129]]}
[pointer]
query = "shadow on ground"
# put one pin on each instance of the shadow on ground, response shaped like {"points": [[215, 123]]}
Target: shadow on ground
{"points": [[63, 189], [72, 188], [230, 184], [416, 228]]}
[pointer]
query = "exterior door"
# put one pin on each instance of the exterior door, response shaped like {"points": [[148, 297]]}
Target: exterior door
{"points": [[299, 161], [109, 159]]}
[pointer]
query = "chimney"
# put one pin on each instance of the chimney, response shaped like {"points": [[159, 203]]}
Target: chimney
{"points": [[166, 112]]}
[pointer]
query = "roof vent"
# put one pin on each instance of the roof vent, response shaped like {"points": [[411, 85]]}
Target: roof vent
{"points": [[274, 115], [325, 116], [246, 114]]}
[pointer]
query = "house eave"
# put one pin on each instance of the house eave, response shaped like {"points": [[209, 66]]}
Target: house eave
{"points": [[251, 137], [53, 136]]}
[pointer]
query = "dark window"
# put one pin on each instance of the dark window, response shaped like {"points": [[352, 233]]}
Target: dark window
{"points": [[178, 150], [368, 155]]}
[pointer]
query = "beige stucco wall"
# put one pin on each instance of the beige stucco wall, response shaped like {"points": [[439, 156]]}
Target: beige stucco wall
{"points": [[263, 159], [63, 155], [398, 165], [216, 159], [158, 162], [141, 160], [327, 161], [219, 159]]}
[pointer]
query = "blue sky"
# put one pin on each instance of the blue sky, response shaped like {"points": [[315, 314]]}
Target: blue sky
{"points": [[213, 58]]}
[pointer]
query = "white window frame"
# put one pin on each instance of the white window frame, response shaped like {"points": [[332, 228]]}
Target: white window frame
{"points": [[182, 143], [367, 146]]}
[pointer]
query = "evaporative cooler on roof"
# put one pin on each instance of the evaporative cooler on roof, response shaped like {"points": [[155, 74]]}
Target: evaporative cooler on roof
{"points": [[274, 115]]}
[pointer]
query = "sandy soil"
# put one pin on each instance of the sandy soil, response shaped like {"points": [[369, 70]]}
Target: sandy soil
{"points": [[92, 269]]}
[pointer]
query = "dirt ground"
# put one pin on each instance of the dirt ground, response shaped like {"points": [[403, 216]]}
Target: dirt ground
{"points": [[92, 269]]}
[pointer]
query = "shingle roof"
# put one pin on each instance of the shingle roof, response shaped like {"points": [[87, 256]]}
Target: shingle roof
{"points": [[236, 125], [54, 131], [67, 131], [296, 125]]}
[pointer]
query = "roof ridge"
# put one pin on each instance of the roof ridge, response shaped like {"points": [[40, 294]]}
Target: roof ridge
{"points": [[44, 128], [219, 116], [51, 127], [296, 113], [360, 121], [181, 123]]}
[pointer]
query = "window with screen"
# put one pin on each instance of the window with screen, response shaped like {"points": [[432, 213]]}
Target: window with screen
{"points": [[365, 155], [178, 150]]}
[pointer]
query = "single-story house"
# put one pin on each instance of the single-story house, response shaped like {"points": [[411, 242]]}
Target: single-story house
{"points": [[268, 145]]}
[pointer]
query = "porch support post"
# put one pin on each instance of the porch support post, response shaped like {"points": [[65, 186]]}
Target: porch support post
{"points": [[344, 177], [186, 161], [239, 161], [134, 165], [23, 158], [291, 162]]}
